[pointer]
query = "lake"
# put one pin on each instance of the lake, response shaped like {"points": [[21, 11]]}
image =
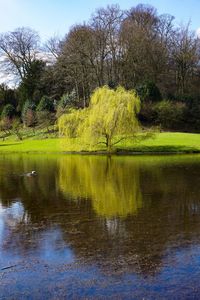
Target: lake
{"points": [[98, 227]]}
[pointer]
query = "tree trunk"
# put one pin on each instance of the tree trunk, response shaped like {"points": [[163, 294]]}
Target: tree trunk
{"points": [[108, 142]]}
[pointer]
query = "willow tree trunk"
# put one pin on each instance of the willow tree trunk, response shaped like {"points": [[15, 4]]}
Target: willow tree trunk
{"points": [[108, 142]]}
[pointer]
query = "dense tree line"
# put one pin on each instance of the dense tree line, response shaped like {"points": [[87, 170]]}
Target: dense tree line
{"points": [[137, 49]]}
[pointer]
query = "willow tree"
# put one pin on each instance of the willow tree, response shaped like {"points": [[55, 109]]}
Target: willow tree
{"points": [[110, 118]]}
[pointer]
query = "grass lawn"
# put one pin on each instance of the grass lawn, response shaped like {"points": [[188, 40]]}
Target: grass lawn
{"points": [[162, 142], [166, 142], [45, 145]]}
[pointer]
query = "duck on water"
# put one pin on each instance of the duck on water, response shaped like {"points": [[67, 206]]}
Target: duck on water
{"points": [[29, 174], [32, 173]]}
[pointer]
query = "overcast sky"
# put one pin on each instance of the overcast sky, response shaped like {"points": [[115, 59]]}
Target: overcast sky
{"points": [[51, 17]]}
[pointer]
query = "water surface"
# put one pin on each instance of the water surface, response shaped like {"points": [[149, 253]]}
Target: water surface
{"points": [[99, 227]]}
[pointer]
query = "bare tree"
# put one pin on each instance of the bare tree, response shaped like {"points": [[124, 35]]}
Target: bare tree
{"points": [[53, 45], [18, 49], [145, 37], [90, 54], [106, 23], [185, 56], [76, 61]]}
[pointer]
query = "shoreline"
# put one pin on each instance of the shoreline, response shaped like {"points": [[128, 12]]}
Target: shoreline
{"points": [[93, 153]]}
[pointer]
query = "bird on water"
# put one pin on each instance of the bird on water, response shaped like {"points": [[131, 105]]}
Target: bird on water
{"points": [[32, 173]]}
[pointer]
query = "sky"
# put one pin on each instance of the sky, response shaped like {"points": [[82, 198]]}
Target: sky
{"points": [[55, 17]]}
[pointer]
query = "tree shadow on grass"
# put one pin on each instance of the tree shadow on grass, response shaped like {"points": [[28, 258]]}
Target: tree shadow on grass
{"points": [[14, 144], [161, 149]]}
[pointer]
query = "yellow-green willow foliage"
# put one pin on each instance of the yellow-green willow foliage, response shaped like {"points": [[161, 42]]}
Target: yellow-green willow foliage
{"points": [[110, 184], [69, 123], [110, 118], [113, 113]]}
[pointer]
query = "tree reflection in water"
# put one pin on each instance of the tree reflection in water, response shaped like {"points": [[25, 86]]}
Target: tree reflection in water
{"points": [[111, 185]]}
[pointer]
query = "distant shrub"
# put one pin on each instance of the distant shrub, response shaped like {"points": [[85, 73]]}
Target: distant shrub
{"points": [[8, 111], [148, 114], [45, 118], [6, 124], [192, 113], [46, 104], [67, 101], [169, 115], [149, 92], [28, 113]]}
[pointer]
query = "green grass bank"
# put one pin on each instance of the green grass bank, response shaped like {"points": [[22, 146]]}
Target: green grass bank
{"points": [[161, 143]]}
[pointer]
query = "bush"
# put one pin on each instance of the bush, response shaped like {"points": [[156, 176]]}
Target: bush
{"points": [[45, 118], [46, 104], [148, 114], [28, 113], [149, 92], [8, 111], [170, 115], [66, 102], [6, 124], [16, 128], [192, 113]]}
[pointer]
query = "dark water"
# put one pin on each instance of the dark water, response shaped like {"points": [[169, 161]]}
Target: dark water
{"points": [[99, 227]]}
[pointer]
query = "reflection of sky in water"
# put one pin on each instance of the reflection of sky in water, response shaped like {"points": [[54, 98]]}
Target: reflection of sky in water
{"points": [[177, 281], [10, 216], [53, 248], [14, 213], [50, 246], [1, 223]]}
